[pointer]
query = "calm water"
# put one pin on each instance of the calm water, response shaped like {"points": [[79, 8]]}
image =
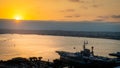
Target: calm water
{"points": [[29, 45]]}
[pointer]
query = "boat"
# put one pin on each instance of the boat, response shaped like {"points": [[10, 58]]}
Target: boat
{"points": [[117, 54], [87, 58]]}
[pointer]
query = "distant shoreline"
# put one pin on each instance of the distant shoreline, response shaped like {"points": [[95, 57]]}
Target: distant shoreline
{"points": [[105, 35]]}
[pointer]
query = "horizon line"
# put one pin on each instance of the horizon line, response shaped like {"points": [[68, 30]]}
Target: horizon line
{"points": [[85, 21]]}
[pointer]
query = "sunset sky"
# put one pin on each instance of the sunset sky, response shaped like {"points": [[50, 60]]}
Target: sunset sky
{"points": [[61, 10]]}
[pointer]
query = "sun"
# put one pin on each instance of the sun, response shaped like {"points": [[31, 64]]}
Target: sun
{"points": [[18, 18]]}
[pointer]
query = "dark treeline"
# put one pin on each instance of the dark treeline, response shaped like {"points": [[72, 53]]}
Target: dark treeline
{"points": [[36, 62], [107, 35]]}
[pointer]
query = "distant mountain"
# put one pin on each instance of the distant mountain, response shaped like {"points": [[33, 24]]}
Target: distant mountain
{"points": [[60, 25], [62, 28]]}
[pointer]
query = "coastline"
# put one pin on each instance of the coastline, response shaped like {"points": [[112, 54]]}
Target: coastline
{"points": [[104, 35]]}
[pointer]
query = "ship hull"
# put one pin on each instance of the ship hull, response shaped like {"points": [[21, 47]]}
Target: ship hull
{"points": [[84, 64], [71, 59]]}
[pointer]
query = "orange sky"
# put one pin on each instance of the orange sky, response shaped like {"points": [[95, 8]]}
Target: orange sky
{"points": [[70, 10]]}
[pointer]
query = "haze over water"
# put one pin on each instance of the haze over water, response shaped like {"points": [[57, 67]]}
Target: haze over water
{"points": [[61, 25], [29, 45]]}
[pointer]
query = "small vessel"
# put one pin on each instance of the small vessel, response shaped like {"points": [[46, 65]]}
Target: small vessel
{"points": [[117, 54], [86, 57]]}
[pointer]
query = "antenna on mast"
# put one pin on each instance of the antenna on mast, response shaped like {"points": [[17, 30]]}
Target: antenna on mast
{"points": [[85, 42]]}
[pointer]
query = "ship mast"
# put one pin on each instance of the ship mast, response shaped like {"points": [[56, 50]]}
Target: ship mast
{"points": [[85, 42]]}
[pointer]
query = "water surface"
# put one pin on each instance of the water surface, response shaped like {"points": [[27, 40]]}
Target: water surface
{"points": [[29, 45]]}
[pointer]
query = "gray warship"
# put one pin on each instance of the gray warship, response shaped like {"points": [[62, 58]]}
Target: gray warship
{"points": [[87, 59]]}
